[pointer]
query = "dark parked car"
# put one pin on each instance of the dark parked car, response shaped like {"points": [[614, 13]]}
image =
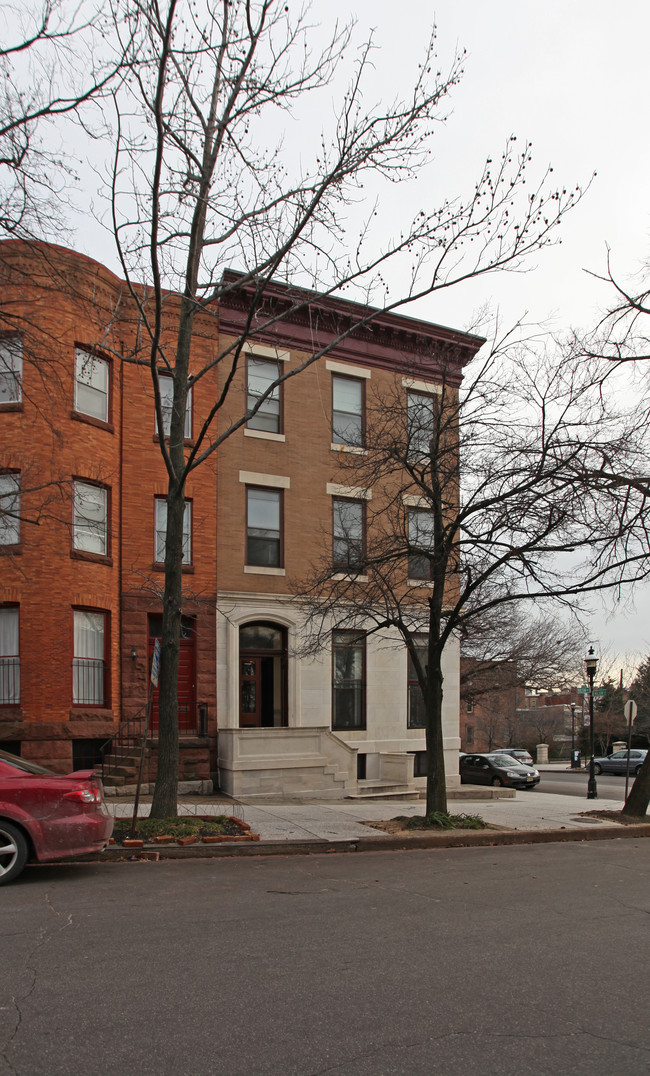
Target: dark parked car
{"points": [[617, 763], [520, 753], [45, 816], [496, 769]]}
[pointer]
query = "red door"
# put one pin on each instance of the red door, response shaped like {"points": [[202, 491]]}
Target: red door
{"points": [[186, 674]]}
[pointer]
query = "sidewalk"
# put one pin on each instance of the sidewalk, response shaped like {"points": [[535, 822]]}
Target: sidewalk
{"points": [[343, 821]]}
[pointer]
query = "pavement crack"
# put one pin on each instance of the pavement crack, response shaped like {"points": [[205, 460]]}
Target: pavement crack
{"points": [[18, 1001]]}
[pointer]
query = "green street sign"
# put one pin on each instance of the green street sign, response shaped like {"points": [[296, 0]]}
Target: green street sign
{"points": [[584, 690], [600, 692]]}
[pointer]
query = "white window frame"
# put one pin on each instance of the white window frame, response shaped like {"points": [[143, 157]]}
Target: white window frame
{"points": [[264, 414], [11, 369], [89, 518], [10, 508], [160, 531], [166, 387], [89, 657], [9, 655], [92, 381]]}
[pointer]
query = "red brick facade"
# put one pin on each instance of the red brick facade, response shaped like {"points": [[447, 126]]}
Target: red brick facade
{"points": [[56, 301]]}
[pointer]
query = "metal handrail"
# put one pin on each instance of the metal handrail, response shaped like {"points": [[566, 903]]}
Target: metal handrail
{"points": [[123, 742]]}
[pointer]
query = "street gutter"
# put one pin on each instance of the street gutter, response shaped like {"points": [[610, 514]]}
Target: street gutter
{"points": [[390, 843]]}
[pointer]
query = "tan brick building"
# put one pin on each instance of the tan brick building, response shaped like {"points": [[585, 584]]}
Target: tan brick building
{"points": [[81, 570]]}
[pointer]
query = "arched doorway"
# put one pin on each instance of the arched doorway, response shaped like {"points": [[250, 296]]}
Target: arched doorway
{"points": [[262, 675]]}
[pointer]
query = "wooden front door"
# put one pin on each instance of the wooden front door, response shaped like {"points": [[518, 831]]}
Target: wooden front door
{"points": [[262, 677], [186, 673]]}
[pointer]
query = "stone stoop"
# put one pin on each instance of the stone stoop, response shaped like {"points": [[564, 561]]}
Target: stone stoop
{"points": [[384, 790]]}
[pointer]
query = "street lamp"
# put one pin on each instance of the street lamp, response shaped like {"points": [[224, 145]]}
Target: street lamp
{"points": [[591, 664], [573, 736]]}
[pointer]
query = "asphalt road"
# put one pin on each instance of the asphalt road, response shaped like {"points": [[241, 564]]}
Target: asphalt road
{"points": [[608, 785], [425, 963]]}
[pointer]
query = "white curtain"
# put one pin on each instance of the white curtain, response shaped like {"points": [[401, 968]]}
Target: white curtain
{"points": [[8, 633]]}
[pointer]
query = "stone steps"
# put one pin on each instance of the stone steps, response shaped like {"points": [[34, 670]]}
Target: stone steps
{"points": [[383, 790]]}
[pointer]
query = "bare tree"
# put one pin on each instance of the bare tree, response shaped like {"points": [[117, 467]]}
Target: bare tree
{"points": [[638, 798], [545, 651], [205, 177], [526, 521], [507, 650], [54, 65]]}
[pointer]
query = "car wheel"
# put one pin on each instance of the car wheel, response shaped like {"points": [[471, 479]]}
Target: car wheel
{"points": [[13, 852], [597, 769], [497, 782]]}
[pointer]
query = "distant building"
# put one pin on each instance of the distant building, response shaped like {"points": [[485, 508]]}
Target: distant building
{"points": [[497, 709]]}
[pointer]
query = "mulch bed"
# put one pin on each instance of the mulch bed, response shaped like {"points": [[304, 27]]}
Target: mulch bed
{"points": [[184, 829], [616, 816], [398, 825]]}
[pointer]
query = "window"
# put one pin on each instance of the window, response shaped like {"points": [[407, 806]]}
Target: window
{"points": [[347, 411], [419, 763], [261, 374], [420, 541], [348, 686], [87, 754], [9, 656], [166, 385], [11, 369], [160, 527], [470, 704], [348, 533], [10, 508], [422, 412], [91, 385], [90, 518], [416, 717], [89, 665], [469, 734], [263, 527]]}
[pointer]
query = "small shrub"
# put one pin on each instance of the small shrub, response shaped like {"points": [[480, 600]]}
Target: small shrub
{"points": [[444, 820], [183, 826]]}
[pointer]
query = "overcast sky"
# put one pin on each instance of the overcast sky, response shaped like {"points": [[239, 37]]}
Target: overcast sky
{"points": [[572, 76]]}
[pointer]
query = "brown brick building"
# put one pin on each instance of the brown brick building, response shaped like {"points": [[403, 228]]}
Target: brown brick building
{"points": [[82, 548]]}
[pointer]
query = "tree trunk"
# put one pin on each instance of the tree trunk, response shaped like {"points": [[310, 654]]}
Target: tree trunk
{"points": [[638, 798], [436, 789], [165, 799]]}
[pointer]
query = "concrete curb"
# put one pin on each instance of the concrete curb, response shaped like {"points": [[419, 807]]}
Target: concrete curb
{"points": [[390, 843]]}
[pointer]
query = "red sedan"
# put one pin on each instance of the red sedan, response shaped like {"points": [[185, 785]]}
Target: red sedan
{"points": [[45, 816]]}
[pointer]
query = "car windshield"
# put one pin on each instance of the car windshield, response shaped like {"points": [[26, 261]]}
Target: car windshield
{"points": [[23, 764], [504, 762]]}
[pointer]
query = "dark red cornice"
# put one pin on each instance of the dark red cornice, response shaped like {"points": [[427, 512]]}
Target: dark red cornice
{"points": [[308, 321]]}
